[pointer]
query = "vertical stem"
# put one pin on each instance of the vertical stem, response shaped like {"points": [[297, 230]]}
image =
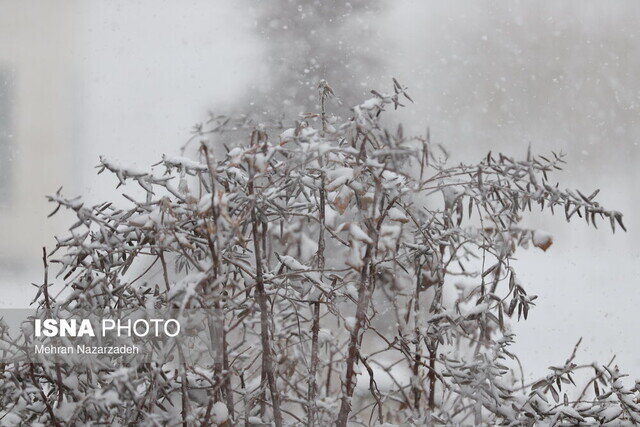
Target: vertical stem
{"points": [[416, 365], [207, 413], [354, 343], [45, 284], [185, 396], [47, 303], [315, 327], [164, 269], [432, 375], [367, 286], [323, 111], [261, 296], [215, 258], [432, 345], [227, 381], [215, 335], [313, 370], [329, 373], [45, 400]]}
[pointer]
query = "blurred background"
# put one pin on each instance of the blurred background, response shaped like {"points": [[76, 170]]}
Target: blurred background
{"points": [[128, 80]]}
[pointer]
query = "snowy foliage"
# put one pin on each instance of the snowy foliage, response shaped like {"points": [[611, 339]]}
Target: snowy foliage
{"points": [[359, 279]]}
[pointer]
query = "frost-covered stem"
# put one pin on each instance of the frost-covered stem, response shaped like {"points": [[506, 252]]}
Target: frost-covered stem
{"points": [[354, 342], [367, 282], [215, 335], [417, 338], [329, 373], [227, 380], [185, 402], [261, 296], [43, 396], [215, 258], [315, 327], [165, 274], [433, 351], [47, 302], [59, 384], [323, 112], [45, 284], [321, 242], [183, 387], [313, 370], [207, 413]]}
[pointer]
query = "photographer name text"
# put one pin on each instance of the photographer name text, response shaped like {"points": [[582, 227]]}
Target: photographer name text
{"points": [[86, 349]]}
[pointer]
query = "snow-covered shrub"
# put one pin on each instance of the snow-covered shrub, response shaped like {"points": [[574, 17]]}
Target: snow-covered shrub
{"points": [[352, 276]]}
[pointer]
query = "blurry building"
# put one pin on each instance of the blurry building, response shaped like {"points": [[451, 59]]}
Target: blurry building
{"points": [[38, 59]]}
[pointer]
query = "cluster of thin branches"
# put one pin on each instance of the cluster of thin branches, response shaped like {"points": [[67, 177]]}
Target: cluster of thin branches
{"points": [[352, 276]]}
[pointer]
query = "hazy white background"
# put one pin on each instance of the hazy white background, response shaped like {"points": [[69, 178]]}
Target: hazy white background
{"points": [[485, 76]]}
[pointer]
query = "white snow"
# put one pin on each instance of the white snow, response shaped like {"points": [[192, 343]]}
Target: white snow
{"points": [[288, 135], [450, 193], [219, 413], [350, 323], [358, 234], [388, 380], [183, 162], [371, 104], [292, 263], [338, 177], [396, 214], [542, 239]]}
